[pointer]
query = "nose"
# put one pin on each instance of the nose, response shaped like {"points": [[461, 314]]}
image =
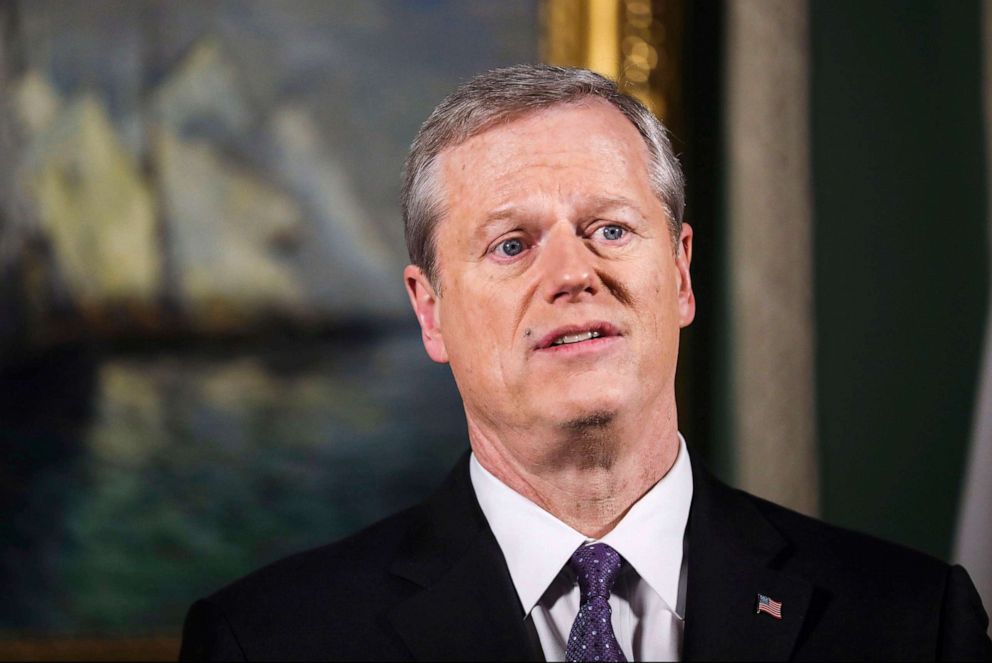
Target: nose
{"points": [[567, 272]]}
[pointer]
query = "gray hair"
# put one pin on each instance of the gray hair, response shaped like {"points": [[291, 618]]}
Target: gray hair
{"points": [[504, 94]]}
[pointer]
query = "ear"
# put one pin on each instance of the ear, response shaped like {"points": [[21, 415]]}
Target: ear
{"points": [[687, 300], [426, 306]]}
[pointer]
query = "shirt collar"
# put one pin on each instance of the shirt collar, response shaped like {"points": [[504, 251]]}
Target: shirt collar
{"points": [[537, 545]]}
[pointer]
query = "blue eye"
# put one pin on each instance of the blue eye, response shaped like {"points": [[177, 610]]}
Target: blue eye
{"points": [[510, 247], [612, 233]]}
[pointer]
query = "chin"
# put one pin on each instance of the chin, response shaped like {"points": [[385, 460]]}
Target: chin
{"points": [[596, 412]]}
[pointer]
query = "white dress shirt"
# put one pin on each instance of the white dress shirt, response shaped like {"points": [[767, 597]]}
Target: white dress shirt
{"points": [[648, 598]]}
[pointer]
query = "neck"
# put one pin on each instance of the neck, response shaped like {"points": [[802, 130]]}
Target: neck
{"points": [[587, 477]]}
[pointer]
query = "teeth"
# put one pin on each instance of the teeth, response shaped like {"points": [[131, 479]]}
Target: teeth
{"points": [[575, 338]]}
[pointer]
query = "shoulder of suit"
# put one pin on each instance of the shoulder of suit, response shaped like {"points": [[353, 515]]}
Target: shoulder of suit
{"points": [[360, 560], [326, 602], [829, 552]]}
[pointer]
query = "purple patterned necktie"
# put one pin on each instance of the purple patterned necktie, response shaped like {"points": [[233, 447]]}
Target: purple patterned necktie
{"points": [[592, 638]]}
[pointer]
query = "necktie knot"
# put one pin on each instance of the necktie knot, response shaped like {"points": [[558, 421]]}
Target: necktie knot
{"points": [[596, 567]]}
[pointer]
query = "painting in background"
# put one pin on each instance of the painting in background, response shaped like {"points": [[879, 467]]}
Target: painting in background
{"points": [[206, 357]]}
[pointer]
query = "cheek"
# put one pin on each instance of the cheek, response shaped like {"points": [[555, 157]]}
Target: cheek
{"points": [[656, 295], [657, 307], [477, 329]]}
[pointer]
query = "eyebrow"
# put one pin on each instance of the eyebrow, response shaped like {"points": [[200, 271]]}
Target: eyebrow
{"points": [[497, 216], [593, 205], [602, 203]]}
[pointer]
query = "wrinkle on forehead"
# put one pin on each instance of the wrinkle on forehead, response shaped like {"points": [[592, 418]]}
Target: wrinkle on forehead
{"points": [[507, 148]]}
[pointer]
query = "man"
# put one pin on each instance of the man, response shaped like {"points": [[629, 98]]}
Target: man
{"points": [[550, 269]]}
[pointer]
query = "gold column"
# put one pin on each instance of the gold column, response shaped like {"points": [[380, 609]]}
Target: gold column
{"points": [[638, 43], [603, 30]]}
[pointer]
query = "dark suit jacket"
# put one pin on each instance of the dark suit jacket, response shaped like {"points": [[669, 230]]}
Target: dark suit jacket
{"points": [[431, 583]]}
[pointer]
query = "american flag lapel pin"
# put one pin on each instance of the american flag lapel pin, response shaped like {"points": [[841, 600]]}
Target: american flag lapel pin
{"points": [[772, 607]]}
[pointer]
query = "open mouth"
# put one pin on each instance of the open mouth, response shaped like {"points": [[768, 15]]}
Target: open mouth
{"points": [[568, 339], [575, 334]]}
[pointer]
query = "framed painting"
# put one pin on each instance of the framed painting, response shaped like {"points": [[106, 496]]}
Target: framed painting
{"points": [[206, 354]]}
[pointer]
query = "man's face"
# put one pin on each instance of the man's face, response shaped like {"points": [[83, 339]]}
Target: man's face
{"points": [[561, 295]]}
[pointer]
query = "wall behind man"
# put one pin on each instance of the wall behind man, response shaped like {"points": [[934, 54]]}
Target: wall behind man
{"points": [[901, 268]]}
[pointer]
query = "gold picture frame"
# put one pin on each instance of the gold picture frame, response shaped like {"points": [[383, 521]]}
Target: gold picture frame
{"points": [[635, 42]]}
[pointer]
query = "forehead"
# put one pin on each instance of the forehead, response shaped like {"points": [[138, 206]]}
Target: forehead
{"points": [[569, 150]]}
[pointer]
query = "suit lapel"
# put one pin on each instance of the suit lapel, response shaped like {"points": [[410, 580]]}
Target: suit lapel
{"points": [[734, 553], [467, 608]]}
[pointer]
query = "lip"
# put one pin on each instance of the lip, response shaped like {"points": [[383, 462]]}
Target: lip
{"points": [[605, 329]]}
